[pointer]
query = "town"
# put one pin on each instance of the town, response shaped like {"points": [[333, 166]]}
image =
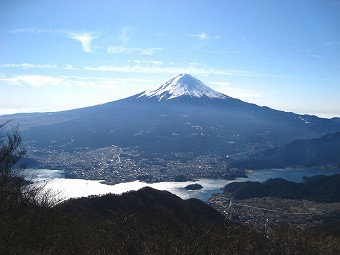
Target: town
{"points": [[268, 213], [115, 165]]}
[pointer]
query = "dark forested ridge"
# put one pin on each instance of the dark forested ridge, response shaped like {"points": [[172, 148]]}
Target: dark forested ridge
{"points": [[146, 201], [145, 222], [318, 188]]}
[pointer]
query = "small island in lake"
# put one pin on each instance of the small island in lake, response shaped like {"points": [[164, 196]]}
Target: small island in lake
{"points": [[194, 186]]}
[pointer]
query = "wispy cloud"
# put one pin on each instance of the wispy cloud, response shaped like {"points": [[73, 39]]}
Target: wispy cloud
{"points": [[31, 30], [131, 50], [70, 67], [85, 40], [29, 66], [38, 66], [156, 69], [153, 62], [313, 56], [204, 36], [149, 66], [124, 36], [44, 81], [37, 81]]}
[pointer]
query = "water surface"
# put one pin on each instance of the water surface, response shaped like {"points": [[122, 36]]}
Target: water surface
{"points": [[71, 188]]}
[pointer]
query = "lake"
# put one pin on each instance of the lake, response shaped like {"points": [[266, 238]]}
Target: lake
{"points": [[71, 188]]}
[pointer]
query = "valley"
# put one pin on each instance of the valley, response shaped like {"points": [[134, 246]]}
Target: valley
{"points": [[277, 201]]}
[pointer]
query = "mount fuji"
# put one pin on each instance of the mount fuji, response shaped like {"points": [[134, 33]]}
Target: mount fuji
{"points": [[183, 115]]}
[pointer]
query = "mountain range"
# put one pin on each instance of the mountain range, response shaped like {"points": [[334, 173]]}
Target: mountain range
{"points": [[182, 115]]}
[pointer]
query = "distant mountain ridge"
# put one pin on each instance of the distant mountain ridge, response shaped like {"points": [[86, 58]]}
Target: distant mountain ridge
{"points": [[323, 151], [316, 188]]}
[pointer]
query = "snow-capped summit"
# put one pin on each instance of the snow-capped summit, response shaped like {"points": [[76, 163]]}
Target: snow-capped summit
{"points": [[182, 85]]}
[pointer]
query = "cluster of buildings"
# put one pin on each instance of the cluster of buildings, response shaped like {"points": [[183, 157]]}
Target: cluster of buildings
{"points": [[268, 212], [115, 165]]}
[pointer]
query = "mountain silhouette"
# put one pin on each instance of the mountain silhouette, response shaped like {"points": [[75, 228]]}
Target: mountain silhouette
{"points": [[146, 201]]}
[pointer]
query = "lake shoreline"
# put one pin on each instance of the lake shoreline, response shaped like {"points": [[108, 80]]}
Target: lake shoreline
{"points": [[72, 188]]}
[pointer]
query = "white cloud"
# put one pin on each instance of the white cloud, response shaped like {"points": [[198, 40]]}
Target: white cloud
{"points": [[29, 66], [148, 69], [39, 81], [70, 67], [124, 35], [119, 50], [130, 50], [146, 66], [33, 80], [84, 38], [202, 36], [192, 69], [153, 62], [31, 30]]}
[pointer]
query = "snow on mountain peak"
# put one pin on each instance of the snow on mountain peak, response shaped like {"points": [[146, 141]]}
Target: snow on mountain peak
{"points": [[183, 85]]}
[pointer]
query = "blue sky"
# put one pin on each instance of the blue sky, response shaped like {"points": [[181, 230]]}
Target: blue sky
{"points": [[58, 54]]}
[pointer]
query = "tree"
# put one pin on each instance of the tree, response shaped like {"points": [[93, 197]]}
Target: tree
{"points": [[12, 184], [15, 189]]}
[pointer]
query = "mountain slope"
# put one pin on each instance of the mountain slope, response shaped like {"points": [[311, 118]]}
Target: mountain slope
{"points": [[323, 151]]}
